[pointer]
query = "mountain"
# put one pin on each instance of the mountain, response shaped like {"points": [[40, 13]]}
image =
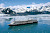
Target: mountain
{"points": [[26, 11], [45, 8], [8, 11]]}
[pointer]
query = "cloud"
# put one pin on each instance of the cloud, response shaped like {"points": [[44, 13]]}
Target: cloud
{"points": [[2, 5], [24, 6], [47, 4], [31, 5]]}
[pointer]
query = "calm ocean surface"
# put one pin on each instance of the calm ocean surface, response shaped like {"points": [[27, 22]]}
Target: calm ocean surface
{"points": [[43, 25]]}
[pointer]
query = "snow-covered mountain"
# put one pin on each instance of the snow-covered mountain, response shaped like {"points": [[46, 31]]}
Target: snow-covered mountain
{"points": [[24, 9], [31, 8], [40, 9]]}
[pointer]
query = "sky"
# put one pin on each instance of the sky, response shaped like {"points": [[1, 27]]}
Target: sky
{"points": [[6, 3]]}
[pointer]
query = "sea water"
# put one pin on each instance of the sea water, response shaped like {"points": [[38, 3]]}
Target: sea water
{"points": [[43, 25]]}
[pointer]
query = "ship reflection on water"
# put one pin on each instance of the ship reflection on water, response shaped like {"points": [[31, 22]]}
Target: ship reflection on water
{"points": [[22, 27]]}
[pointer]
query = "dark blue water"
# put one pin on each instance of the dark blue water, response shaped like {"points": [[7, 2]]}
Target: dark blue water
{"points": [[43, 26]]}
